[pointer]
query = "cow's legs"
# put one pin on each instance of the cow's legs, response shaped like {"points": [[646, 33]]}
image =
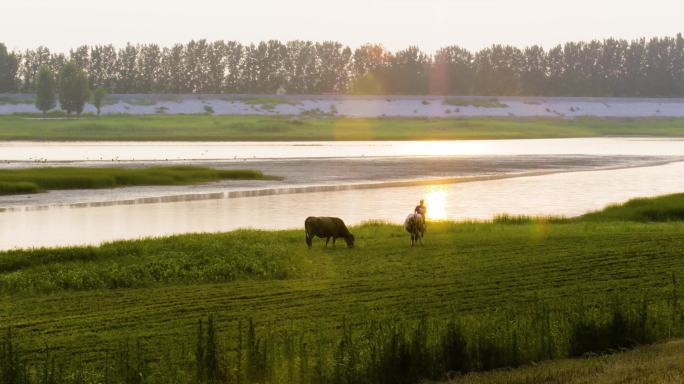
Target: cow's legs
{"points": [[334, 238], [327, 239]]}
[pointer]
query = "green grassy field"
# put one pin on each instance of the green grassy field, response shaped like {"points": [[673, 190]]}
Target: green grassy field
{"points": [[261, 128], [506, 293], [35, 180]]}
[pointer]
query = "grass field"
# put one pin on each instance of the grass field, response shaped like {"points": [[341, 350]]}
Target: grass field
{"points": [[260, 128], [497, 294], [35, 180]]}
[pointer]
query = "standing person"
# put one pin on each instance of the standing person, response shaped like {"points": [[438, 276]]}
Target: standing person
{"points": [[421, 209]]}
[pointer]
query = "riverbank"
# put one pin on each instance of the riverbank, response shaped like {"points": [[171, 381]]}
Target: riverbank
{"points": [[284, 128], [326, 106], [528, 290]]}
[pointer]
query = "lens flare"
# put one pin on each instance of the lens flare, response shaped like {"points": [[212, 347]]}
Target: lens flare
{"points": [[436, 200]]}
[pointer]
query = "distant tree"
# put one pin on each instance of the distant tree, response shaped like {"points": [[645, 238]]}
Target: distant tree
{"points": [[32, 61], [196, 65], [233, 51], [148, 68], [80, 57], [98, 97], [102, 71], [127, 69], [252, 68], [12, 79], [173, 77], [409, 72], [298, 63], [6, 73], [73, 89], [370, 69], [452, 72], [274, 67], [45, 89], [334, 67], [533, 76]]}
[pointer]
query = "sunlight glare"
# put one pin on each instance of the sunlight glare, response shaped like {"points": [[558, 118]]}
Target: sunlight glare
{"points": [[436, 200]]}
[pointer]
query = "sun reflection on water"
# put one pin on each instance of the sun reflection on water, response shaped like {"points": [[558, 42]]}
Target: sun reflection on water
{"points": [[436, 200]]}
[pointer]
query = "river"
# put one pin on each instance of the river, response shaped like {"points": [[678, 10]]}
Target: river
{"points": [[548, 177]]}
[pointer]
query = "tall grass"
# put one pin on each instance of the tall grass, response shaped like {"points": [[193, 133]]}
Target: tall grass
{"points": [[34, 180], [505, 218], [662, 208], [19, 187], [385, 351]]}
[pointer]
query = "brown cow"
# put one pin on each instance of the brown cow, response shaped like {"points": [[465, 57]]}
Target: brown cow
{"points": [[327, 227]]}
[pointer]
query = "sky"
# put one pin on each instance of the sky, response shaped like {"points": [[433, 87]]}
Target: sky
{"points": [[429, 24]]}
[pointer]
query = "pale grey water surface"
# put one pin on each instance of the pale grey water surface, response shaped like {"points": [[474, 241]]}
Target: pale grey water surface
{"points": [[357, 181]]}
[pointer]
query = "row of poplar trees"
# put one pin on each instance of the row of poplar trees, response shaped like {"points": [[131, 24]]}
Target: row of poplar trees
{"points": [[611, 67]]}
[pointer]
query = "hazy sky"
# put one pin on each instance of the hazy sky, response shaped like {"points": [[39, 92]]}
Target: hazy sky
{"points": [[64, 24]]}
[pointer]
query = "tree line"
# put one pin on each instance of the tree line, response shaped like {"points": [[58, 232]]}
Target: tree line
{"points": [[611, 67]]}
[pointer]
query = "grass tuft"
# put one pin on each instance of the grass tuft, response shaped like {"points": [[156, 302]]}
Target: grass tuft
{"points": [[269, 103], [479, 103]]}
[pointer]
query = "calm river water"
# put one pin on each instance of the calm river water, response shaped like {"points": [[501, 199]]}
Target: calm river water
{"points": [[564, 193], [127, 151]]}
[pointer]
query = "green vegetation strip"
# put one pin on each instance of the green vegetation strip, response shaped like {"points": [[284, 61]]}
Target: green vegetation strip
{"points": [[261, 128], [661, 363], [664, 208], [35, 180], [492, 294]]}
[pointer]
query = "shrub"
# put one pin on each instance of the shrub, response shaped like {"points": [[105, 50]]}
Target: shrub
{"points": [[480, 103], [73, 89], [98, 98], [45, 90]]}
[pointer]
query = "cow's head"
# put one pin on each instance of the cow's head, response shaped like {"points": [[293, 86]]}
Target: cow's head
{"points": [[350, 240]]}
